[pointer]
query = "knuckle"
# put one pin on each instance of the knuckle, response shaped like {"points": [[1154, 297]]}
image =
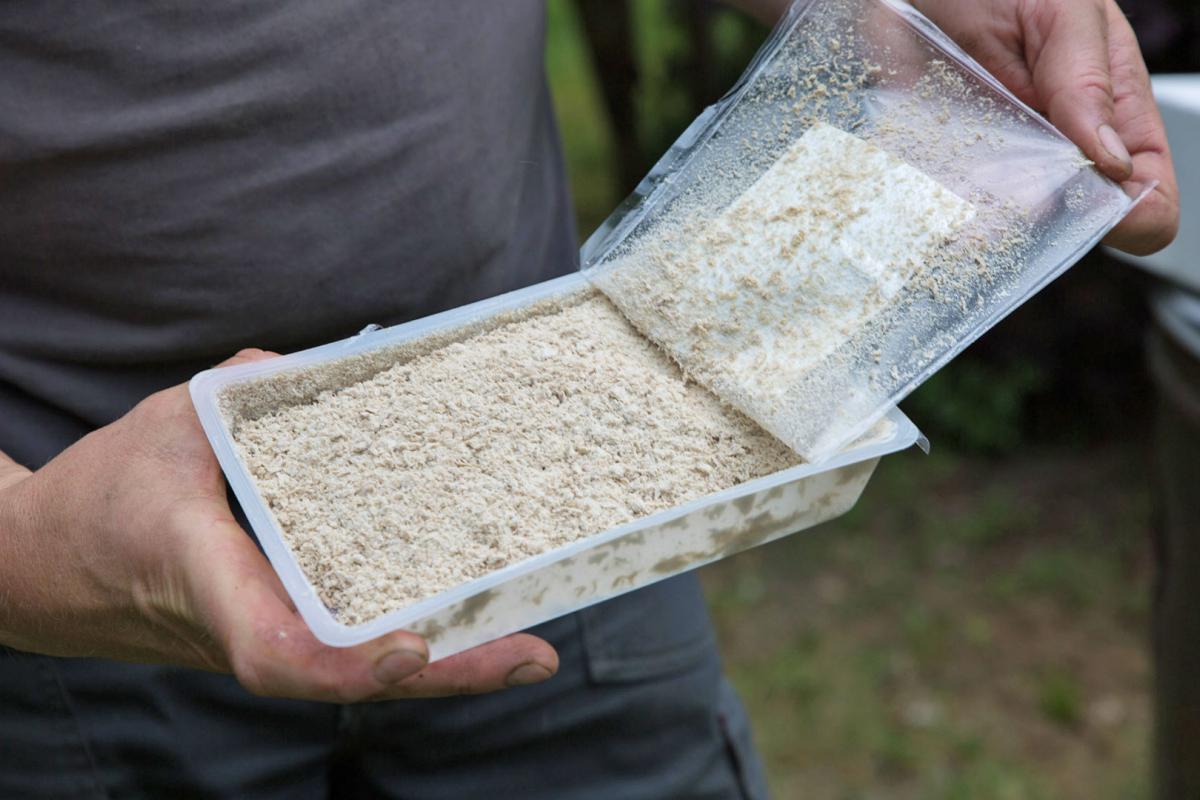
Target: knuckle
{"points": [[463, 684], [327, 683], [1094, 79], [333, 688], [1040, 13], [347, 695], [324, 687], [163, 411], [328, 686], [154, 406], [1094, 85], [249, 673]]}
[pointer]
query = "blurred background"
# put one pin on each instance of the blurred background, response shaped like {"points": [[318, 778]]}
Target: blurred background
{"points": [[978, 626]]}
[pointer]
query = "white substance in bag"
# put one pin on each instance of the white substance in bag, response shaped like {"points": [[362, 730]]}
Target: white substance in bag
{"points": [[817, 246]]}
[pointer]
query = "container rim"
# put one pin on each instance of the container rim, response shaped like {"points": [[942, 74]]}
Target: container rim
{"points": [[206, 386]]}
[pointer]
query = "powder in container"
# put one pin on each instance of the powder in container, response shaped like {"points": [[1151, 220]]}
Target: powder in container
{"points": [[486, 451]]}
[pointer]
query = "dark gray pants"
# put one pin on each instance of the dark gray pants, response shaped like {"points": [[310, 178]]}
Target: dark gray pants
{"points": [[1177, 593], [639, 709]]}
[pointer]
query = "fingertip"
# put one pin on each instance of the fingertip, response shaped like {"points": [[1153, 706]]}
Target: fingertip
{"points": [[248, 355], [398, 655], [548, 657], [398, 664], [517, 660], [528, 674], [1150, 226], [534, 649]]}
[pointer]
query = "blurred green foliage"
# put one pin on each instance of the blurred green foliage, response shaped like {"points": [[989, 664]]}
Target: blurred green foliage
{"points": [[1060, 698], [671, 89], [676, 80], [581, 117], [964, 632], [976, 406]]}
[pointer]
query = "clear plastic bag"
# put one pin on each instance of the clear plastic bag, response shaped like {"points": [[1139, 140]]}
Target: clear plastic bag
{"points": [[864, 204]]}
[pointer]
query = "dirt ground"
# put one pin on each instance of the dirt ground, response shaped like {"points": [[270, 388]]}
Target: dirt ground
{"points": [[974, 628]]}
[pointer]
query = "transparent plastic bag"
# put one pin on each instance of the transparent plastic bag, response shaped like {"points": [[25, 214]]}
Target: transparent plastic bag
{"points": [[864, 204]]}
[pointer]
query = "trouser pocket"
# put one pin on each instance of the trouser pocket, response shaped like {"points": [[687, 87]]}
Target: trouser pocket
{"points": [[653, 632], [739, 745]]}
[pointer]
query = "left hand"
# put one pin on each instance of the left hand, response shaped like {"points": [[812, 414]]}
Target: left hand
{"points": [[124, 546]]}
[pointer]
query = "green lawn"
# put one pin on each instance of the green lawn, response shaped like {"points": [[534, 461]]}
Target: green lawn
{"points": [[974, 628], [581, 118]]}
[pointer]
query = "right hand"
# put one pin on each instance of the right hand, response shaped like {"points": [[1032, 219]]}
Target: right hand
{"points": [[124, 547], [1078, 62]]}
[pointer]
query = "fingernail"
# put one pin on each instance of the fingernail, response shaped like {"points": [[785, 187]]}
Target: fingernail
{"points": [[398, 665], [528, 673], [1113, 144], [1133, 188]]}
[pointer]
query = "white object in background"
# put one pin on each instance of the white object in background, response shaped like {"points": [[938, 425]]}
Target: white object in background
{"points": [[1176, 305], [1178, 97]]}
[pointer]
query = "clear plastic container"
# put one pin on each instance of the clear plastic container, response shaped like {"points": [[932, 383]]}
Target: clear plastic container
{"points": [[588, 571]]}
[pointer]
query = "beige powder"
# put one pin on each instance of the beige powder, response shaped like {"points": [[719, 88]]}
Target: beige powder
{"points": [[484, 452], [761, 301]]}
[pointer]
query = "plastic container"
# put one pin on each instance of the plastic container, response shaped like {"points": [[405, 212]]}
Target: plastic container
{"points": [[572, 577]]}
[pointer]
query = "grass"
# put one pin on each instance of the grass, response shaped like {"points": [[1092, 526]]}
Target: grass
{"points": [[993, 651], [581, 118], [1060, 698], [663, 104]]}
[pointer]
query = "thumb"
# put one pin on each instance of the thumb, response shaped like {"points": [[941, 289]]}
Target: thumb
{"points": [[1072, 77], [264, 641]]}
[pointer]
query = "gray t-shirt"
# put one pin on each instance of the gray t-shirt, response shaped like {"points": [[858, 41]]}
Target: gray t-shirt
{"points": [[179, 180]]}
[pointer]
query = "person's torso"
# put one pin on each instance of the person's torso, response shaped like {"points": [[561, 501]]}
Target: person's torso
{"points": [[180, 180]]}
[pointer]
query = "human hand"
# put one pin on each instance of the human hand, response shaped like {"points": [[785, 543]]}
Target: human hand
{"points": [[124, 547], [1077, 62]]}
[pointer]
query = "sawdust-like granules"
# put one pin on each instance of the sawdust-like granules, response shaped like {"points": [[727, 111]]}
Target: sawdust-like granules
{"points": [[488, 451], [761, 301]]}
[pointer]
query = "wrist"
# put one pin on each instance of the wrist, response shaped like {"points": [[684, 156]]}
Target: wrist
{"points": [[11, 472], [18, 539]]}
